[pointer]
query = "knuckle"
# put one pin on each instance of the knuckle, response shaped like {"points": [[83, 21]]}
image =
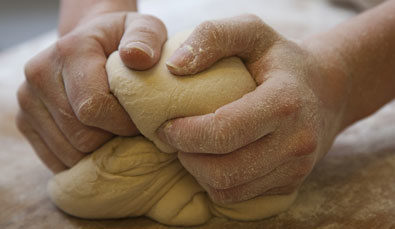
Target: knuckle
{"points": [[209, 34], [24, 98], [290, 104], [306, 143], [65, 45], [208, 25], [35, 71], [208, 30]]}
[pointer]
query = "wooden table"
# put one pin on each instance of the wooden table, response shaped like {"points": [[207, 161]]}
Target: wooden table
{"points": [[352, 187]]}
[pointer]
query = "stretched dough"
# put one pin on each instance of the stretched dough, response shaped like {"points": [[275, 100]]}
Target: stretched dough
{"points": [[134, 176]]}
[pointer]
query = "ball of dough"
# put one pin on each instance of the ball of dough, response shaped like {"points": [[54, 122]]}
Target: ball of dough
{"points": [[155, 96], [133, 176]]}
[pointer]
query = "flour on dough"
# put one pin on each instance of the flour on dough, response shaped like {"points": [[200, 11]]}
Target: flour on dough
{"points": [[134, 176]]}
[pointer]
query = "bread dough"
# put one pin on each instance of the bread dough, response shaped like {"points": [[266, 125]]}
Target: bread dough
{"points": [[134, 176], [130, 177], [155, 96]]}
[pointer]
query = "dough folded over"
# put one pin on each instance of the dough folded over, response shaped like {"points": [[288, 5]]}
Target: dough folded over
{"points": [[134, 176]]}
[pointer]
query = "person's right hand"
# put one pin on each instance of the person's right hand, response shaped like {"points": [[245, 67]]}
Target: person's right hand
{"points": [[66, 108]]}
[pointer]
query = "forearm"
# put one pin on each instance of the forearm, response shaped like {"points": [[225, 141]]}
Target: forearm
{"points": [[363, 49], [73, 11]]}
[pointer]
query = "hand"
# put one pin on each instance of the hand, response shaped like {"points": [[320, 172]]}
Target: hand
{"points": [[269, 140], [66, 108]]}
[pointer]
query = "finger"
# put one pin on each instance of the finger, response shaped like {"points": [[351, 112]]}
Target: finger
{"points": [[236, 124], [250, 162], [283, 180], [86, 84], [35, 113], [87, 89], [245, 36], [141, 44], [43, 152], [46, 81]]}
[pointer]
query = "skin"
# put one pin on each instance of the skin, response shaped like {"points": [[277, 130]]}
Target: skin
{"points": [[66, 108], [265, 143], [269, 140]]}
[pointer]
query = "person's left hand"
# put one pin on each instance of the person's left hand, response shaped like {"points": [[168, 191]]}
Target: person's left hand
{"points": [[268, 141]]}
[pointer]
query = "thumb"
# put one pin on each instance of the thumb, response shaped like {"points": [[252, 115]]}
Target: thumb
{"points": [[245, 36], [142, 41]]}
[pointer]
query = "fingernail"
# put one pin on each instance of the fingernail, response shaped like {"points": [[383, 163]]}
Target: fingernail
{"points": [[162, 131], [142, 47], [180, 57]]}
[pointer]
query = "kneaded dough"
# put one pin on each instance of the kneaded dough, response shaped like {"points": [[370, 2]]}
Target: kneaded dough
{"points": [[134, 176]]}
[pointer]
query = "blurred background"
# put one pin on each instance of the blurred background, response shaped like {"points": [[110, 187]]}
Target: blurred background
{"points": [[21, 20]]}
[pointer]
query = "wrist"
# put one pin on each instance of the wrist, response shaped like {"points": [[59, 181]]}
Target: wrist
{"points": [[364, 47], [75, 12], [334, 84]]}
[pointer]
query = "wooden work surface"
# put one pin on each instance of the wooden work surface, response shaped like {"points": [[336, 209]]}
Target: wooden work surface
{"points": [[352, 187]]}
